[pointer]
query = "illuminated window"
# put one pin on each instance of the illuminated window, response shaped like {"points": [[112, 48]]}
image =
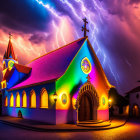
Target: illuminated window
{"points": [[11, 100], [24, 99], [10, 64], [17, 100], [44, 99], [33, 99], [6, 101], [86, 65]]}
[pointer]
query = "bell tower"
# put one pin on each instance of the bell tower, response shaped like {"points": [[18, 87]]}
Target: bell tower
{"points": [[9, 59]]}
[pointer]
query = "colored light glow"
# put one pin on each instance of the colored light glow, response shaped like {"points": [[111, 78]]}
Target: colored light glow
{"points": [[74, 76], [59, 103], [103, 102], [10, 64], [3, 84], [44, 99], [110, 100], [24, 99], [86, 65], [6, 101], [11, 100], [33, 99], [73, 102], [18, 100]]}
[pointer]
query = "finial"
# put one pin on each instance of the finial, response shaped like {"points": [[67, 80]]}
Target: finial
{"points": [[10, 36], [88, 78], [84, 28]]}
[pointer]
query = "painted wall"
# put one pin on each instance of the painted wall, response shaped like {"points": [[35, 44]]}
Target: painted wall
{"points": [[40, 114], [71, 82]]}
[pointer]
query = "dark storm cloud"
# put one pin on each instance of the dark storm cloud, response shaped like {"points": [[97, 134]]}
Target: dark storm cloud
{"points": [[23, 15], [39, 37], [134, 1]]}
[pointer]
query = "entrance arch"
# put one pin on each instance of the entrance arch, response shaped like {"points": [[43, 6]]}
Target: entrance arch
{"points": [[87, 103], [135, 111]]}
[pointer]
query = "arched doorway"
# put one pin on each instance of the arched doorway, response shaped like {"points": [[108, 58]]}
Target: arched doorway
{"points": [[135, 111], [87, 103], [85, 110]]}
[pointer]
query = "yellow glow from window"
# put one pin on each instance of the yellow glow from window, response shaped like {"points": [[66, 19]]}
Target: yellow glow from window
{"points": [[103, 102], [73, 102], [44, 99], [59, 103], [3, 84], [33, 99], [6, 101], [24, 99], [17, 100], [10, 64], [11, 100]]}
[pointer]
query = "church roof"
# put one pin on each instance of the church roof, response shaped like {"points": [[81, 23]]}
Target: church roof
{"points": [[22, 68], [51, 66], [134, 90], [10, 51]]}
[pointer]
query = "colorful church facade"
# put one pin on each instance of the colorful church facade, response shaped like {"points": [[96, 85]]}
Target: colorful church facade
{"points": [[67, 85]]}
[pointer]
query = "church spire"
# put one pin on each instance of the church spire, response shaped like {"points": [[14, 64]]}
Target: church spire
{"points": [[10, 51]]}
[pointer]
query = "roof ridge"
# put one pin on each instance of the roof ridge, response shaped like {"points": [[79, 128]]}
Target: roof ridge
{"points": [[56, 49]]}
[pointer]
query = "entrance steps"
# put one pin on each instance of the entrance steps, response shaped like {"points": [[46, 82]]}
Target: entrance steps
{"points": [[94, 123]]}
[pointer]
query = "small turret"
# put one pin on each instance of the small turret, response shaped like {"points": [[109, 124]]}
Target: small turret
{"points": [[9, 59]]}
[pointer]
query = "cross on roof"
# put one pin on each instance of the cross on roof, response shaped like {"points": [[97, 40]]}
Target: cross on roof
{"points": [[84, 28], [88, 78], [10, 36]]}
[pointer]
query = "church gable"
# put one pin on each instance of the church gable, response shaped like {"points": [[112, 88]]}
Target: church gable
{"points": [[84, 63]]}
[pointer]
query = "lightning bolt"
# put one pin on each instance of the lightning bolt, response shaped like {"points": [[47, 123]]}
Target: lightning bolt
{"points": [[93, 25]]}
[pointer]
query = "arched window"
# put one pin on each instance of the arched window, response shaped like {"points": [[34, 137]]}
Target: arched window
{"points": [[17, 100], [44, 99], [32, 99], [24, 99], [11, 100], [6, 101]]}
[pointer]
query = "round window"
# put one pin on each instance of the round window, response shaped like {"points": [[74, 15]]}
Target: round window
{"points": [[86, 65], [103, 100], [64, 98]]}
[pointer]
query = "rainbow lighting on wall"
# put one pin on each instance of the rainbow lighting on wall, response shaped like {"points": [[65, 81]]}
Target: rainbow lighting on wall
{"points": [[67, 85]]}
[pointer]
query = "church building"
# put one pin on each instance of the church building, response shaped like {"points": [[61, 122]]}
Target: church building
{"points": [[66, 85]]}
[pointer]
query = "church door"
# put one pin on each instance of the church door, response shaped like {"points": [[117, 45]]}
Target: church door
{"points": [[85, 109], [135, 111]]}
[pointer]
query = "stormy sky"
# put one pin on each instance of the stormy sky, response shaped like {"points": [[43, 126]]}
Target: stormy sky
{"points": [[40, 26]]}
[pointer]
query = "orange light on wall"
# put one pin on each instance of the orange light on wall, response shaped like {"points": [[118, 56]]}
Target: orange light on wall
{"points": [[6, 101], [33, 99], [17, 100], [110, 100], [11, 100], [44, 99], [24, 99]]}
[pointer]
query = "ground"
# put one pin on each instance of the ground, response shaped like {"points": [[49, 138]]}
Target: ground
{"points": [[130, 131]]}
